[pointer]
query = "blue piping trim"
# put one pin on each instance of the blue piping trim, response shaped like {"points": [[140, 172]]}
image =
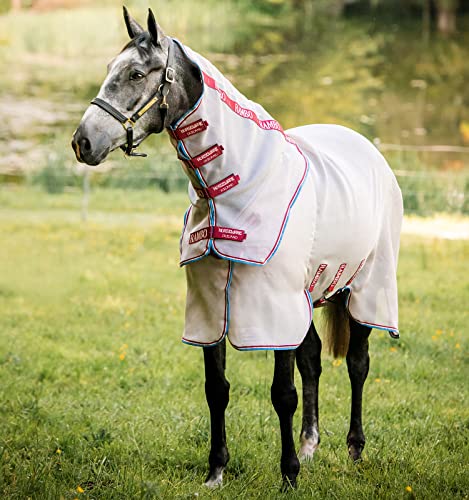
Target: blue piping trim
{"points": [[310, 299], [199, 177], [227, 299], [211, 206], [182, 151], [265, 348], [186, 215]]}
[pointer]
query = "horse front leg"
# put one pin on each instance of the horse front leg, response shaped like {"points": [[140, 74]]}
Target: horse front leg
{"points": [[358, 363], [217, 390], [285, 401], [308, 360]]}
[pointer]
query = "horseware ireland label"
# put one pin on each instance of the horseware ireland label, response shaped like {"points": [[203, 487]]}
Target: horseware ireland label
{"points": [[207, 156], [219, 188], [228, 233], [217, 232], [191, 129]]}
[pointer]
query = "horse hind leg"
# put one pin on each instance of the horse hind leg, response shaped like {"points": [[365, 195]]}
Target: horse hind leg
{"points": [[217, 394], [308, 360], [285, 401], [358, 362]]}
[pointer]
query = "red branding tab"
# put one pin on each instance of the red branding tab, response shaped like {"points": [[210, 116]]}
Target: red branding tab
{"points": [[201, 234], [219, 188], [337, 277], [320, 270], [217, 232], [191, 129], [359, 268], [207, 156], [228, 233]]}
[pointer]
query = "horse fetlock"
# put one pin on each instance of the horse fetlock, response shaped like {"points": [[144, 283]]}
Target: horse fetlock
{"points": [[309, 442], [219, 458], [214, 478]]}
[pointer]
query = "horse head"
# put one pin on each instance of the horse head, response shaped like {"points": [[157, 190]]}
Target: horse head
{"points": [[147, 87]]}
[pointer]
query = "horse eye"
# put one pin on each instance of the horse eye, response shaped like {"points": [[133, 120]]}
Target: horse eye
{"points": [[136, 75]]}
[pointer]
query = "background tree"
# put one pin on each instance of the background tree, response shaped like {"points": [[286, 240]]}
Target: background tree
{"points": [[446, 16]]}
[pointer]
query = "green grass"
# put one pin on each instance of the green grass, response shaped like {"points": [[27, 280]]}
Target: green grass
{"points": [[99, 393]]}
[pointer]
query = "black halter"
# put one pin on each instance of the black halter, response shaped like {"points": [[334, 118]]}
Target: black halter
{"points": [[128, 123]]}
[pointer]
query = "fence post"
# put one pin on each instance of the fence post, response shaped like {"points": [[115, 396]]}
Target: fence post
{"points": [[86, 195]]}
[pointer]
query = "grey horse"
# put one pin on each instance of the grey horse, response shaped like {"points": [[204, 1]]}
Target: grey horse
{"points": [[149, 87]]}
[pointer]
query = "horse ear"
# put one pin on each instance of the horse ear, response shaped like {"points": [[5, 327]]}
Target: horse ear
{"points": [[154, 29], [133, 28]]}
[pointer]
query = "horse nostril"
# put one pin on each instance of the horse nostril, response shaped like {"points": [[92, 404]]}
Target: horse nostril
{"points": [[85, 144]]}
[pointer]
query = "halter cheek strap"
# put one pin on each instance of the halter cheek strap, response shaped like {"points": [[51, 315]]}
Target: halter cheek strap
{"points": [[129, 123]]}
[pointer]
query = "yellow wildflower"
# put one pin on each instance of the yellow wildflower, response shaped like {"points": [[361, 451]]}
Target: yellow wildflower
{"points": [[408, 489], [439, 331], [458, 346], [337, 362], [122, 356], [377, 380], [392, 349], [434, 337], [80, 489], [58, 451]]}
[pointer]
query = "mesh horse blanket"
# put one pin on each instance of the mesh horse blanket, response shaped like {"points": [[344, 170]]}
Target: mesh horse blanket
{"points": [[280, 221]]}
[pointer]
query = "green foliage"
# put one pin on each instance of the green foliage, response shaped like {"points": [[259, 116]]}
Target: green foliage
{"points": [[98, 393], [4, 6], [54, 177]]}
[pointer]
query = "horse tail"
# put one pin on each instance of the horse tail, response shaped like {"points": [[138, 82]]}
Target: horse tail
{"points": [[336, 323]]}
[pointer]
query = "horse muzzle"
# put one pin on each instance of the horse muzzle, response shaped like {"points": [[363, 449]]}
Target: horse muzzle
{"points": [[91, 149]]}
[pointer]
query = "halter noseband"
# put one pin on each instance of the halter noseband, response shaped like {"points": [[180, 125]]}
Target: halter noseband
{"points": [[129, 123]]}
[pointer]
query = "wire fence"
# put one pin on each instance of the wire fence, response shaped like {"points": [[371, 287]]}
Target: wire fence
{"points": [[433, 178], [428, 186]]}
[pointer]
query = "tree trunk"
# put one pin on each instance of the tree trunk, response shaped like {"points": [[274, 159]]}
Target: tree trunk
{"points": [[446, 16], [426, 21]]}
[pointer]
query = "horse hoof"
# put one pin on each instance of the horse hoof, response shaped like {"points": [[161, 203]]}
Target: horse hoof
{"points": [[355, 452], [214, 478], [288, 484]]}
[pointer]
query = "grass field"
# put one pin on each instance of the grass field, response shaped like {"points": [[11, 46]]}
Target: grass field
{"points": [[99, 398]]}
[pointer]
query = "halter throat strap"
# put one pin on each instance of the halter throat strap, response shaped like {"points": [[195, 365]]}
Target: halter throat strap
{"points": [[161, 93]]}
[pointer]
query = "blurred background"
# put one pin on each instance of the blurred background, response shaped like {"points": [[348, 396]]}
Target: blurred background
{"points": [[395, 70]]}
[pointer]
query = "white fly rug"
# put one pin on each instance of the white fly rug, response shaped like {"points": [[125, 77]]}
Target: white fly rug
{"points": [[279, 222]]}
